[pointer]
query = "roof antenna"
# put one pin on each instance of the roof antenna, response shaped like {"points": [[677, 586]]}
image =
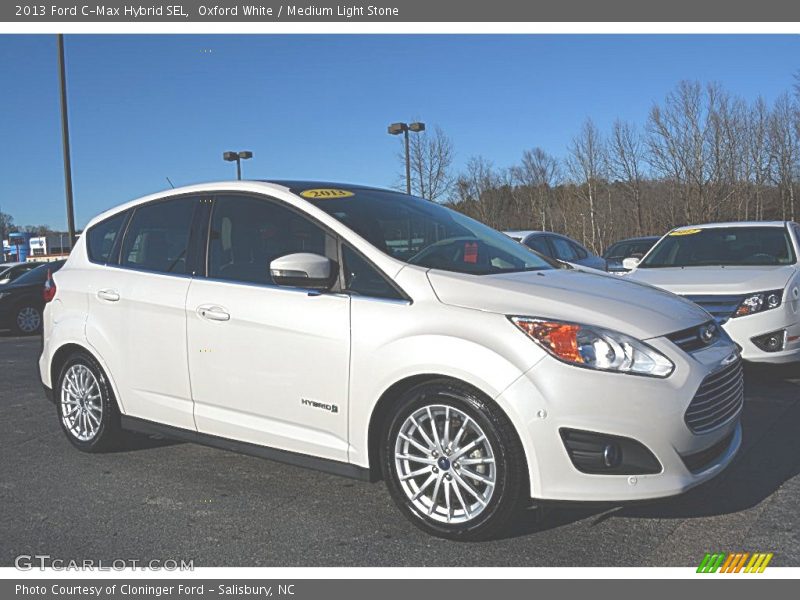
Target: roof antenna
{"points": [[170, 182]]}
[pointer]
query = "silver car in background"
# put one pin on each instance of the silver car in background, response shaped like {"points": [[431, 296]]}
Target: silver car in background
{"points": [[560, 247]]}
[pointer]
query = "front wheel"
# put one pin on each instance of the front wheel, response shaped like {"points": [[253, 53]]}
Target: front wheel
{"points": [[453, 462]]}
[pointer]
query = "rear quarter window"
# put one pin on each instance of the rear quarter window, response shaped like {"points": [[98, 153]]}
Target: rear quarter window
{"points": [[101, 237]]}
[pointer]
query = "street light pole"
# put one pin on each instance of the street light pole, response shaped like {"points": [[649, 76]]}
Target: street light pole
{"points": [[238, 157], [404, 128], [62, 78]]}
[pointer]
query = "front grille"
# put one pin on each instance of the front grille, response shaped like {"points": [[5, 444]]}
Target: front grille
{"points": [[718, 399], [699, 461], [691, 339], [720, 307]]}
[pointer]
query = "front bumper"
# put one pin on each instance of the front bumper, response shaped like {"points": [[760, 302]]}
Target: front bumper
{"points": [[553, 396], [743, 329]]}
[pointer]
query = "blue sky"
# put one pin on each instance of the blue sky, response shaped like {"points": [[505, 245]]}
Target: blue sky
{"points": [[147, 107]]}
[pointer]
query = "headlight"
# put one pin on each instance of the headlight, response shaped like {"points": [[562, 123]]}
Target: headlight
{"points": [[595, 347], [759, 302]]}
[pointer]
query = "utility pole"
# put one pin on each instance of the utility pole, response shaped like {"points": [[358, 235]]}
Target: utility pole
{"points": [[62, 78]]}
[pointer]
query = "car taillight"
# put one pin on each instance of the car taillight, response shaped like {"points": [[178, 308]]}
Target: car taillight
{"points": [[49, 289]]}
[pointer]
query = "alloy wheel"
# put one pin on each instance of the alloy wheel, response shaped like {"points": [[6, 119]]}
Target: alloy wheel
{"points": [[81, 403], [445, 464]]}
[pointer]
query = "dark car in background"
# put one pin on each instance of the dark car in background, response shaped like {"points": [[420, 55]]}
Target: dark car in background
{"points": [[22, 300], [631, 248], [558, 246], [12, 271]]}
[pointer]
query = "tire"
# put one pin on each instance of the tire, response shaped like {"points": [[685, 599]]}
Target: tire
{"points": [[27, 320], [496, 470], [82, 386]]}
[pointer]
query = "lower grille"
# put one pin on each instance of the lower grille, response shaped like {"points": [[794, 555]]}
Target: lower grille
{"points": [[720, 307], [718, 399], [699, 461]]}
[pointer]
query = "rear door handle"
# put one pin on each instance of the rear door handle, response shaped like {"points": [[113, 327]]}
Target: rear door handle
{"points": [[213, 312], [110, 295]]}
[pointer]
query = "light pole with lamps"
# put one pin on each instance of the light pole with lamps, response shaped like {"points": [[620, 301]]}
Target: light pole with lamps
{"points": [[238, 157], [404, 128]]}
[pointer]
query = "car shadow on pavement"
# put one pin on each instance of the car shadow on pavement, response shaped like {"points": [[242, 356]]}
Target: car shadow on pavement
{"points": [[770, 456], [131, 441]]}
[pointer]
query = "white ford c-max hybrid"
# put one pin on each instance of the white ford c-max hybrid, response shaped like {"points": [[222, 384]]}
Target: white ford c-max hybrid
{"points": [[745, 274], [381, 336]]}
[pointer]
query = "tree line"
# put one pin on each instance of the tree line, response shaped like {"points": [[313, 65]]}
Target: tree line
{"points": [[703, 155], [7, 226]]}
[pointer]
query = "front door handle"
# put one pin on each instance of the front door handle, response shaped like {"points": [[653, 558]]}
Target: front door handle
{"points": [[213, 312], [110, 295]]}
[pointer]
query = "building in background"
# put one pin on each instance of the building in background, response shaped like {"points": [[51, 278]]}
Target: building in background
{"points": [[20, 246]]}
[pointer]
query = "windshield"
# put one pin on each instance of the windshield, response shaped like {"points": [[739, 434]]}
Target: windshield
{"points": [[420, 232], [728, 246]]}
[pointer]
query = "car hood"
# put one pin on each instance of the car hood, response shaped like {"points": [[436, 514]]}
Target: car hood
{"points": [[715, 279], [603, 300]]}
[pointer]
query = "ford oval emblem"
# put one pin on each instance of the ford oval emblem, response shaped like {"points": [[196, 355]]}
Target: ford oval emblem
{"points": [[708, 333]]}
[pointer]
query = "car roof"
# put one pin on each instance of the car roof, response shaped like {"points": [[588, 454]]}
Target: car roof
{"points": [[245, 185], [302, 184], [643, 238], [523, 233], [735, 224]]}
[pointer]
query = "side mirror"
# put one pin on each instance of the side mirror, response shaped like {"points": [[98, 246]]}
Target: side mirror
{"points": [[303, 270], [630, 263]]}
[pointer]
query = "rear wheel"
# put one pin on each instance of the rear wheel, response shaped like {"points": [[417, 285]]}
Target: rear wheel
{"points": [[28, 320], [86, 406], [453, 462]]}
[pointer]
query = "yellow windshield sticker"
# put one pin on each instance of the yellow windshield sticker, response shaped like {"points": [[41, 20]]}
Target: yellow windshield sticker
{"points": [[325, 194], [686, 232]]}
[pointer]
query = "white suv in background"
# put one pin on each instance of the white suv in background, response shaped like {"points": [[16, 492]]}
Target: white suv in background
{"points": [[745, 274], [381, 336]]}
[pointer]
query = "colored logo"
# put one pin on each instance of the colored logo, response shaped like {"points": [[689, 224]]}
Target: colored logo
{"points": [[737, 562], [326, 194]]}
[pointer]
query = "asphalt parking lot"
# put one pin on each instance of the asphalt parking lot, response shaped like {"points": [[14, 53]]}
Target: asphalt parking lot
{"points": [[158, 499]]}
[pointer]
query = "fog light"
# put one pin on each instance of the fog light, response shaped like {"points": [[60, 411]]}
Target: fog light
{"points": [[611, 455], [604, 454], [771, 342]]}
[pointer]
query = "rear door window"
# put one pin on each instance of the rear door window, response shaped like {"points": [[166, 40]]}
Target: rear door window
{"points": [[157, 238]]}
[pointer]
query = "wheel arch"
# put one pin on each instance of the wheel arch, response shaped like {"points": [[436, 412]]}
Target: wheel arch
{"points": [[382, 411], [62, 354]]}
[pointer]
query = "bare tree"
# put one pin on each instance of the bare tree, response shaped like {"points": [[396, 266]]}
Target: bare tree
{"points": [[431, 156], [537, 175], [588, 166], [758, 156], [475, 187], [6, 224], [626, 160], [677, 143], [785, 151]]}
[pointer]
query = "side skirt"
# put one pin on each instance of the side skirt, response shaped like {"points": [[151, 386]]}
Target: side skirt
{"points": [[283, 456]]}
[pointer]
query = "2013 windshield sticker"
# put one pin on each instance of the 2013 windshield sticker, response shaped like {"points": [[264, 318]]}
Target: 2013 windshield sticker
{"points": [[685, 232], [326, 194]]}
